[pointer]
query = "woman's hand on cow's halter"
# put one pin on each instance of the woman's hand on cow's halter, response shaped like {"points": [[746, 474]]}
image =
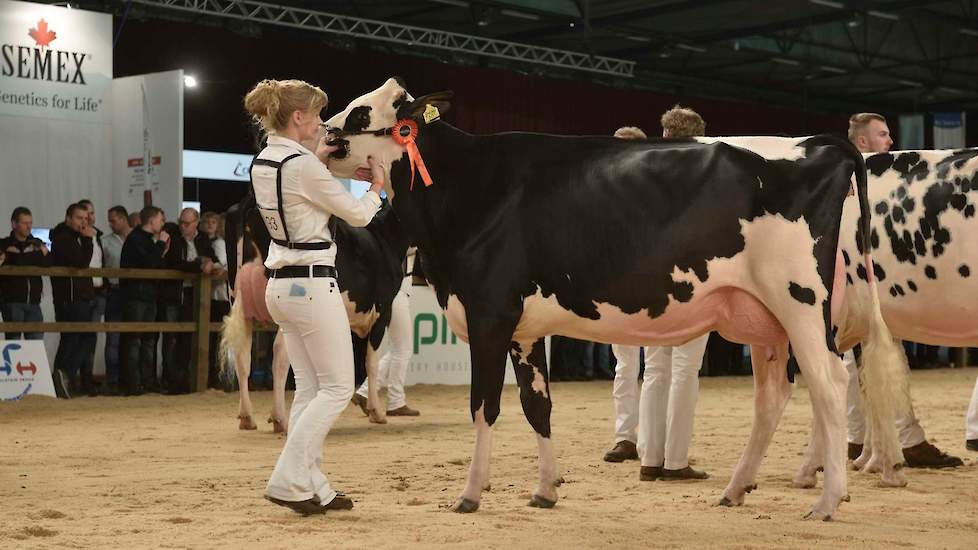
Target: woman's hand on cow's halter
{"points": [[323, 150]]}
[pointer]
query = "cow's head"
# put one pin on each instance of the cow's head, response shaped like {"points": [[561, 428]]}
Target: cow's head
{"points": [[363, 128]]}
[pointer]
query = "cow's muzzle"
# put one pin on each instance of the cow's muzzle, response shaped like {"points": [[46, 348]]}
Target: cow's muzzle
{"points": [[344, 148]]}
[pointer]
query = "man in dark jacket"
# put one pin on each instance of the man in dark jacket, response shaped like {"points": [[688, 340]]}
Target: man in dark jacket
{"points": [[191, 252], [20, 297], [72, 243], [141, 250]]}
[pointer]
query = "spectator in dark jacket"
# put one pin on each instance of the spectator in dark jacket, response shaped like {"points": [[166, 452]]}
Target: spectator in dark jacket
{"points": [[141, 250], [190, 252], [20, 297], [74, 300], [99, 284]]}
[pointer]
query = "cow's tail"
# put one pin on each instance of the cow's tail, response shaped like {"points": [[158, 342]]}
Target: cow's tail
{"points": [[884, 375], [235, 334]]}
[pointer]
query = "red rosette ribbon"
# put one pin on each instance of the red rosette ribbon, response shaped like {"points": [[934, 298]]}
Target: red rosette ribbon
{"points": [[404, 133]]}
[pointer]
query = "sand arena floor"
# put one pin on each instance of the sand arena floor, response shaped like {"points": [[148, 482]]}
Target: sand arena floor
{"points": [[175, 472]]}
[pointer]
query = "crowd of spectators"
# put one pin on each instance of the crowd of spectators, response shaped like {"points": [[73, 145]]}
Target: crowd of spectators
{"points": [[138, 240]]}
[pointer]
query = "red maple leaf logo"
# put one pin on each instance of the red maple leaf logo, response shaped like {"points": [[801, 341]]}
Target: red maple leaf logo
{"points": [[41, 34]]}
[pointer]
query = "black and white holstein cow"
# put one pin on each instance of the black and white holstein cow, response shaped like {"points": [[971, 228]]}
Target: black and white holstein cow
{"points": [[527, 235], [369, 265], [924, 241]]}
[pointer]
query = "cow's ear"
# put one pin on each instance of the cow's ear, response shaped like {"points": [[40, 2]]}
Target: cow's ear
{"points": [[416, 108]]}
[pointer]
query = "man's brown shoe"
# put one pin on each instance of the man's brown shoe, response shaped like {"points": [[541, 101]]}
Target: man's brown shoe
{"points": [[971, 444], [361, 402], [684, 473], [339, 502], [624, 450], [403, 411], [855, 450], [925, 455], [649, 473]]}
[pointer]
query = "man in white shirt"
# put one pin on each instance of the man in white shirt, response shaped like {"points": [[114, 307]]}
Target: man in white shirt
{"points": [[112, 252], [212, 226]]}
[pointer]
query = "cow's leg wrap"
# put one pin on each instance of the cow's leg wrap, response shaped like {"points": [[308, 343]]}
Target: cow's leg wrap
{"points": [[530, 366], [771, 393]]}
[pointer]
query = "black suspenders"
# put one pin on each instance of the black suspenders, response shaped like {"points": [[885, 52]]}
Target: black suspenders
{"points": [[277, 165]]}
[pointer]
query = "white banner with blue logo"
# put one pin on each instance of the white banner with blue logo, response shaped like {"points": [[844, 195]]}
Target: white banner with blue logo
{"points": [[949, 130], [24, 369]]}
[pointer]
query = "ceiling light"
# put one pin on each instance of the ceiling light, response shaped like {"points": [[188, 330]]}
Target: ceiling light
{"points": [[969, 32], [520, 14], [884, 15], [828, 4], [784, 61], [189, 81], [830, 69], [689, 48]]}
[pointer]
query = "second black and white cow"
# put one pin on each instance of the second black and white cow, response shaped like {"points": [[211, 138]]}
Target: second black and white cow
{"points": [[526, 235], [369, 265]]}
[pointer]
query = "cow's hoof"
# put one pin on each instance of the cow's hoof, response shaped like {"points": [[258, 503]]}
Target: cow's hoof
{"points": [[465, 506], [726, 502], [376, 417], [277, 426], [541, 502], [815, 515], [246, 423]]}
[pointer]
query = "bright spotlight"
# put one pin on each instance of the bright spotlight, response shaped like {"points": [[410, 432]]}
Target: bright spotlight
{"points": [[189, 81]]}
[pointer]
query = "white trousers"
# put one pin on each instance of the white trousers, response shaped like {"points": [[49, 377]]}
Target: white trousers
{"points": [[394, 364], [625, 391], [909, 427], [971, 430], [317, 338], [668, 403]]}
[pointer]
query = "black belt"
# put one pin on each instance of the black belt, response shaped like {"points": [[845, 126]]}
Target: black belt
{"points": [[303, 271]]}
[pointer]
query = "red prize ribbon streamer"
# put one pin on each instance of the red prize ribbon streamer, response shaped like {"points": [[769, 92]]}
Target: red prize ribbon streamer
{"points": [[404, 133]]}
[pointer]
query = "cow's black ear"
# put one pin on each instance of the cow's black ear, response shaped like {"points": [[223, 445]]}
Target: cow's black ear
{"points": [[414, 109]]}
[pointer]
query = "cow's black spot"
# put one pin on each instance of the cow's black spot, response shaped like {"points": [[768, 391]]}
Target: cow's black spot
{"points": [[861, 272], [908, 204], [911, 167], [878, 272], [902, 245], [877, 164], [937, 250], [918, 243], [969, 211], [942, 236], [874, 239], [912, 285], [959, 201], [358, 119], [802, 294], [925, 229], [882, 207], [899, 290], [930, 272], [964, 270], [845, 257], [898, 214], [893, 291], [848, 279], [682, 291], [901, 192]]}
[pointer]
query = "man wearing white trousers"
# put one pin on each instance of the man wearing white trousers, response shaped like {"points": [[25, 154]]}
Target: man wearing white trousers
{"points": [[870, 134], [971, 427], [394, 364]]}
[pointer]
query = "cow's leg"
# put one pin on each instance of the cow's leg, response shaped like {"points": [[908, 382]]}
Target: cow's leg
{"points": [[530, 366], [489, 339], [375, 409], [242, 367], [826, 379], [280, 374], [771, 393]]}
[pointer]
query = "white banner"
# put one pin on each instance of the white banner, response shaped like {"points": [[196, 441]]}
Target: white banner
{"points": [[211, 165], [438, 356], [147, 123], [55, 134], [24, 369]]}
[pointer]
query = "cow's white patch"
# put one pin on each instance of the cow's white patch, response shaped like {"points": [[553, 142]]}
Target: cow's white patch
{"points": [[771, 148], [360, 322]]}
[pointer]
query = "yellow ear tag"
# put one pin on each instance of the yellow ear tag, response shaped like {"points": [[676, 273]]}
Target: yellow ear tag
{"points": [[431, 113]]}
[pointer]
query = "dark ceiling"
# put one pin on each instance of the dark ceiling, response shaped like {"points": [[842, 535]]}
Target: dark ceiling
{"points": [[884, 55]]}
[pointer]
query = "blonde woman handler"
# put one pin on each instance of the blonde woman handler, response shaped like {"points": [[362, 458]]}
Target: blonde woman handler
{"points": [[296, 195]]}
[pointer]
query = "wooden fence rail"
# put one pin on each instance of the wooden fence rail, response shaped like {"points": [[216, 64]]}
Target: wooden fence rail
{"points": [[200, 327]]}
